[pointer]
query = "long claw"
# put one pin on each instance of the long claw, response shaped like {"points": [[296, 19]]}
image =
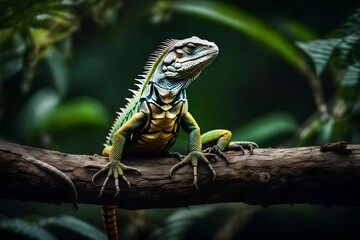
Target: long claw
{"points": [[194, 157], [179, 164], [124, 167], [117, 188], [195, 184], [126, 180], [242, 146], [115, 169], [204, 159], [105, 182], [195, 178], [98, 173], [215, 150], [238, 147], [116, 179], [251, 149], [213, 171], [101, 190]]}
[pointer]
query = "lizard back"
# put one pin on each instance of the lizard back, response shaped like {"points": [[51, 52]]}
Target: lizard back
{"points": [[133, 103]]}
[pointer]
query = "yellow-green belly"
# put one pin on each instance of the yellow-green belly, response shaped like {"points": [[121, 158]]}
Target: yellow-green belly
{"points": [[161, 130]]}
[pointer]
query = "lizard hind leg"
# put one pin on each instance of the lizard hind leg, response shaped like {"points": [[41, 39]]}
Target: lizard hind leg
{"points": [[216, 141], [219, 140]]}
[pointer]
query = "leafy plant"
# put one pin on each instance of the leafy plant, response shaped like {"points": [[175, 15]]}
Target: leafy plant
{"points": [[339, 53], [216, 221], [16, 228], [73, 225], [237, 19], [49, 229], [182, 220], [267, 128], [29, 28], [32, 32]]}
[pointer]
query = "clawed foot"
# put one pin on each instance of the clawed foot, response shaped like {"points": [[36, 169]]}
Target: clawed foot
{"points": [[242, 146], [216, 150], [115, 169], [232, 146], [193, 158]]}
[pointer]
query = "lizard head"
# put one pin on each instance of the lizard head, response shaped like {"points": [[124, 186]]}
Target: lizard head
{"points": [[186, 58]]}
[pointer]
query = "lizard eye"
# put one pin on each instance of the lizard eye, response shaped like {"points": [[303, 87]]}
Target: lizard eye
{"points": [[190, 47]]}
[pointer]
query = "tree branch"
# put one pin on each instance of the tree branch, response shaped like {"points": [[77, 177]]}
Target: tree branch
{"points": [[268, 176]]}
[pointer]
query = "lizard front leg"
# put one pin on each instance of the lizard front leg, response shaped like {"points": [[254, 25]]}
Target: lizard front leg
{"points": [[115, 168], [195, 155]]}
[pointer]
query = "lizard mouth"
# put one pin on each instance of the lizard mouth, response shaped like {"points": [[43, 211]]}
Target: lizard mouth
{"points": [[195, 65], [210, 54], [189, 71]]}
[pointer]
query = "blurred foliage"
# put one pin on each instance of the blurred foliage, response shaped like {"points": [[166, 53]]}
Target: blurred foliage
{"points": [[340, 53], [31, 31], [63, 227], [66, 65], [268, 127], [243, 22]]}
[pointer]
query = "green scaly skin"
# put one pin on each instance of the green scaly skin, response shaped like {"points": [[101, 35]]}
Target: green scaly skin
{"points": [[150, 122]]}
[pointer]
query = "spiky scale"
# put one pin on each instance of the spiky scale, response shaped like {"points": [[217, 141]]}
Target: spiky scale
{"points": [[143, 80], [135, 92], [138, 85]]}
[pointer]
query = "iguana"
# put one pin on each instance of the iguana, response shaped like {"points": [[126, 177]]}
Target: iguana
{"points": [[150, 122]]}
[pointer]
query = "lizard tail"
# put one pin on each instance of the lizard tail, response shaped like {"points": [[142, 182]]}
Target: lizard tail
{"points": [[108, 217]]}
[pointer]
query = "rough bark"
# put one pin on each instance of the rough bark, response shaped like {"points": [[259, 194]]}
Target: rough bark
{"points": [[268, 176]]}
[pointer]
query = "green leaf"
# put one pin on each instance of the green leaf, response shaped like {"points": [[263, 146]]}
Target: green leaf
{"points": [[267, 127], [241, 21], [320, 52], [345, 49], [347, 93], [350, 26], [19, 229], [297, 30], [349, 86], [81, 228], [348, 51], [80, 112]]}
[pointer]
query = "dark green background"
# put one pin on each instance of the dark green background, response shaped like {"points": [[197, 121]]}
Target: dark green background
{"points": [[246, 82]]}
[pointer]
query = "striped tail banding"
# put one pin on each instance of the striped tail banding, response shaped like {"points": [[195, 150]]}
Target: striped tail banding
{"points": [[108, 217]]}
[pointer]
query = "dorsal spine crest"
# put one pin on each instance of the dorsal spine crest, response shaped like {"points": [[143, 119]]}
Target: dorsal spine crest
{"points": [[142, 81]]}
